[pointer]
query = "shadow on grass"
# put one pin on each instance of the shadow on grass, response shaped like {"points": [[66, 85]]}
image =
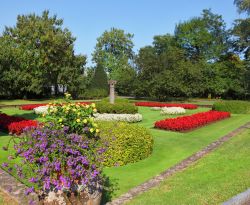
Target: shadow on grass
{"points": [[2, 133], [29, 116], [109, 188]]}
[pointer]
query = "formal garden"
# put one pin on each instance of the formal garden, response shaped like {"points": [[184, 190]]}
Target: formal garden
{"points": [[169, 124]]}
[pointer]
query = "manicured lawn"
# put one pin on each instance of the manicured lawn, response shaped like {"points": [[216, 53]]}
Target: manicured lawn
{"points": [[21, 102], [169, 147], [212, 180]]}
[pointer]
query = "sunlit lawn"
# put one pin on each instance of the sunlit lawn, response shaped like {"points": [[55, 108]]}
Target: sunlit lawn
{"points": [[212, 180], [169, 147]]}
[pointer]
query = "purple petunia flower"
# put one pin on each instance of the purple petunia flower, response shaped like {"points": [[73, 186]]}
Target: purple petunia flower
{"points": [[5, 165], [29, 190], [33, 180]]}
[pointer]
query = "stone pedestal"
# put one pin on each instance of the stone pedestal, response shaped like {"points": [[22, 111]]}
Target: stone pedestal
{"points": [[112, 91]]}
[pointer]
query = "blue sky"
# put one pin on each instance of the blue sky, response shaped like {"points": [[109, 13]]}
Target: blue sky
{"points": [[88, 19]]}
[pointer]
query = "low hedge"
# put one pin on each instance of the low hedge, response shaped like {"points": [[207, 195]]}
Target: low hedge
{"points": [[127, 143], [117, 107], [233, 106]]}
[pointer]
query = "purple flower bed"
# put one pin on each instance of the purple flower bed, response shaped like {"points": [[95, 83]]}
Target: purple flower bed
{"points": [[60, 160]]}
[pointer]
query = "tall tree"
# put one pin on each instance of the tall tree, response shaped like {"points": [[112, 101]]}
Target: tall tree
{"points": [[41, 50], [100, 78], [243, 5], [113, 49], [203, 37]]}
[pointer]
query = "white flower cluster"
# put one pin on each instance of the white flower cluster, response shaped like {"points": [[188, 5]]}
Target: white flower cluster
{"points": [[155, 108], [118, 117], [41, 110], [172, 111]]}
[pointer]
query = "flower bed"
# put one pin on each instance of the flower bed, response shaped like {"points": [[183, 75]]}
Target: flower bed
{"points": [[15, 125], [172, 111], [41, 110], [18, 127], [190, 122], [64, 155], [118, 117], [32, 106], [158, 104]]}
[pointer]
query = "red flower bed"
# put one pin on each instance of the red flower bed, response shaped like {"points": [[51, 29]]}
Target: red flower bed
{"points": [[15, 125], [158, 104], [32, 106], [192, 121]]}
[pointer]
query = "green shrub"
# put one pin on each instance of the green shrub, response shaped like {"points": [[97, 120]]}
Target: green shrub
{"points": [[233, 106], [118, 107], [127, 143], [117, 100], [95, 93]]}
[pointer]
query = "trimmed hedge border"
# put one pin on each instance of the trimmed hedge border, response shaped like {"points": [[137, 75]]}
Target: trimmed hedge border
{"points": [[233, 106]]}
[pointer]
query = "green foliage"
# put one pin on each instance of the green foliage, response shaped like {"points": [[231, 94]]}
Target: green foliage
{"points": [[195, 62], [233, 106], [94, 93], [243, 5], [241, 31], [117, 100], [125, 77], [38, 53], [127, 143], [118, 107], [100, 78], [203, 37], [113, 48], [114, 52]]}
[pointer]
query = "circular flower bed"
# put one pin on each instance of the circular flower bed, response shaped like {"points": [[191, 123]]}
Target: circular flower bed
{"points": [[172, 111], [127, 143], [118, 117]]}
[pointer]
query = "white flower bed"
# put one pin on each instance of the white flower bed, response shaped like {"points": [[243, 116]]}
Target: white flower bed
{"points": [[155, 108], [118, 117], [172, 111], [41, 110]]}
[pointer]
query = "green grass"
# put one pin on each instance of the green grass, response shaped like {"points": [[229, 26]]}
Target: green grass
{"points": [[169, 147], [212, 180], [22, 102]]}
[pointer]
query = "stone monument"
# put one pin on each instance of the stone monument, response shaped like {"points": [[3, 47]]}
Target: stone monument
{"points": [[112, 91]]}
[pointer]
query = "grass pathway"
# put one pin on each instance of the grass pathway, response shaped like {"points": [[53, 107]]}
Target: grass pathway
{"points": [[212, 180]]}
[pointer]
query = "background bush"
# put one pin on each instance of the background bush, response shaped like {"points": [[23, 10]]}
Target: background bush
{"points": [[94, 93], [121, 106], [127, 143], [233, 106]]}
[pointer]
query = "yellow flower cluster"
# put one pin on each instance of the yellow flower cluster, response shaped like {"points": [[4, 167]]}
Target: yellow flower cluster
{"points": [[67, 95], [67, 112]]}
